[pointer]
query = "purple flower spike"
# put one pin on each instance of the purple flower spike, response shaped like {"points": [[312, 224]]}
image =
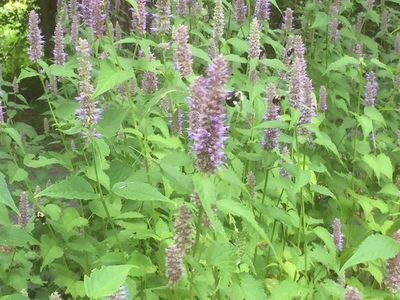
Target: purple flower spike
{"points": [[240, 11], [371, 89], [58, 52], [337, 235], [182, 56], [35, 38], [261, 10], [207, 117], [392, 277]]}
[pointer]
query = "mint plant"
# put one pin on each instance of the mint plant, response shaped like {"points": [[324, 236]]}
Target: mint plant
{"points": [[138, 181]]}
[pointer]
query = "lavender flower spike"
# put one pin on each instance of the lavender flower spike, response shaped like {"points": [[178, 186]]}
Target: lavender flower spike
{"points": [[261, 10], [271, 135], [88, 114], [337, 235], [163, 12], [207, 116], [218, 19], [371, 88], [23, 219], [240, 11], [182, 56], [174, 265], [183, 229], [392, 277], [139, 20], [254, 40], [58, 52], [35, 38]]}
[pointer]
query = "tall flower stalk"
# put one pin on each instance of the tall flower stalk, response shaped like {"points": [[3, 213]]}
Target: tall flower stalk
{"points": [[35, 38], [207, 115], [87, 113]]}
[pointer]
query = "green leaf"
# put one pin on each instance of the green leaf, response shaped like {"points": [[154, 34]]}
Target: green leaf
{"points": [[372, 248], [15, 136], [374, 115], [237, 209], [200, 53], [73, 187], [205, 188], [273, 63], [385, 164], [16, 236], [49, 251], [321, 20], [106, 281], [326, 237], [181, 183], [36, 162], [235, 58], [5, 196], [143, 264], [286, 289], [373, 163], [390, 189], [322, 190], [301, 179], [341, 63], [252, 288], [239, 45], [16, 174], [109, 77], [172, 142], [139, 191], [111, 120]]}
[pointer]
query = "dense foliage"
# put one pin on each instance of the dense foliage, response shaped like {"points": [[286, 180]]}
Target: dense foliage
{"points": [[145, 183]]}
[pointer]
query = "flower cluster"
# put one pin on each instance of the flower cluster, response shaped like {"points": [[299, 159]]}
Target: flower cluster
{"points": [[300, 86], [392, 277], [139, 19], [251, 182], [287, 23], [87, 113], [163, 12], [333, 26], [337, 235], [35, 38], [271, 135], [352, 293], [371, 89], [207, 117], [240, 11], [261, 10], [58, 52], [182, 56], [322, 99], [174, 264], [149, 80], [218, 19], [23, 219]]}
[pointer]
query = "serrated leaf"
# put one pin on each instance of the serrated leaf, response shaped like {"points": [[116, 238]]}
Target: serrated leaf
{"points": [[374, 115], [372, 248], [302, 179], [385, 165], [36, 162], [49, 251], [5, 196], [321, 20], [237, 209], [109, 77], [181, 183], [16, 236], [286, 289], [341, 63], [252, 288], [73, 187], [373, 163], [326, 237], [322, 190], [206, 190], [139, 191], [390, 189], [106, 281], [111, 120], [15, 136], [200, 53]]}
